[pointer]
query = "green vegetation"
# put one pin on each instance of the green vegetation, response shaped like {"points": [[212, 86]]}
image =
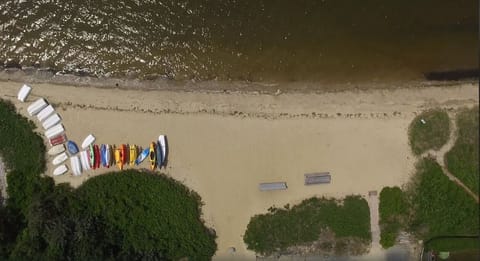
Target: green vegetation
{"points": [[118, 216], [23, 152], [393, 209], [462, 159], [452, 244], [439, 206], [431, 135], [303, 223]]}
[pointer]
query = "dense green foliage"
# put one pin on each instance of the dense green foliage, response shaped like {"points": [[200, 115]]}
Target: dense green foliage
{"points": [[129, 216], [440, 207], [431, 135], [462, 159], [118, 216], [23, 152], [393, 209], [302, 224], [452, 244]]}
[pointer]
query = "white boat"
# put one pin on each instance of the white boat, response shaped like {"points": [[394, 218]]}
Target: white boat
{"points": [[23, 93], [45, 112], [36, 106], [84, 160], [107, 154], [163, 143], [54, 131], [87, 141], [50, 121], [57, 149], [60, 158], [75, 164], [60, 170]]}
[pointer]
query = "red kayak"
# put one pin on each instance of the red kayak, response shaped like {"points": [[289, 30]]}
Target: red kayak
{"points": [[124, 154], [97, 156]]}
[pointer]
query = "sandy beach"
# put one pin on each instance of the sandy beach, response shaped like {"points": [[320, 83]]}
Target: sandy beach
{"points": [[223, 145]]}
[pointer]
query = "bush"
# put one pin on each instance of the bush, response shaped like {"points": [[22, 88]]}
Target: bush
{"points": [[462, 159], [393, 209], [24, 154], [302, 224], [431, 135], [439, 206]]}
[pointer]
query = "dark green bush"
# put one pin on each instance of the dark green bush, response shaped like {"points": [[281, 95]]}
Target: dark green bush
{"points": [[302, 224], [393, 209]]}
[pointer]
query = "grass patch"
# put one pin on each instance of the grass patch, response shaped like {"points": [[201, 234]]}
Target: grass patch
{"points": [[429, 136], [462, 159], [439, 206], [302, 224], [393, 208], [452, 244]]}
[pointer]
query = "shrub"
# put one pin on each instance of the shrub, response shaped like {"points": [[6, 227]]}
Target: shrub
{"points": [[462, 159], [431, 135], [393, 208], [302, 224]]}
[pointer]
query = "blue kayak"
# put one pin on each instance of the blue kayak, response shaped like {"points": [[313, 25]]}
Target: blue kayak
{"points": [[159, 155], [142, 156], [72, 147], [103, 148]]}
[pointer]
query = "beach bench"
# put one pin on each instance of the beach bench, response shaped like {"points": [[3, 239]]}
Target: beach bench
{"points": [[317, 178], [273, 186]]}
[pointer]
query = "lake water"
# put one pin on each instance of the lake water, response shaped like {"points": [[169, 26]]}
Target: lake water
{"points": [[327, 41]]}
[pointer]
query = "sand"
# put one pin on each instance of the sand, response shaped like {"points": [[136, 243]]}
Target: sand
{"points": [[224, 145]]}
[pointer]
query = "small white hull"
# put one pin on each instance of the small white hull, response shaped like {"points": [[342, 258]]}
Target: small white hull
{"points": [[57, 149], [163, 144], [60, 170], [23, 93], [54, 131], [51, 121], [43, 114], [88, 141], [36, 106], [60, 158], [75, 164]]}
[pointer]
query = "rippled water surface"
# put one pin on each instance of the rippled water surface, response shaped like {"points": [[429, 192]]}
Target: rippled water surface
{"points": [[309, 40]]}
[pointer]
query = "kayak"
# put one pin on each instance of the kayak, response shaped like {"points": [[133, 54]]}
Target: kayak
{"points": [[159, 155], [163, 144], [142, 156], [152, 156], [111, 153], [60, 170], [85, 160], [97, 156], [72, 147], [118, 158], [91, 154], [103, 148], [57, 149], [123, 156], [133, 154], [60, 158]]}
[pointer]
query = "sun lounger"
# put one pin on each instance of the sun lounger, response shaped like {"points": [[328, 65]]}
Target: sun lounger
{"points": [[273, 186], [317, 178]]}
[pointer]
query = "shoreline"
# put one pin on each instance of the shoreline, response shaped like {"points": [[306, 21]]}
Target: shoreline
{"points": [[50, 76], [223, 144]]}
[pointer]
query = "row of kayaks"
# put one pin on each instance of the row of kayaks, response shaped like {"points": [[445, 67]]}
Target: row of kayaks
{"points": [[92, 156]]}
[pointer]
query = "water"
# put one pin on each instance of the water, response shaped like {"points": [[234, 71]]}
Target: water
{"points": [[327, 41]]}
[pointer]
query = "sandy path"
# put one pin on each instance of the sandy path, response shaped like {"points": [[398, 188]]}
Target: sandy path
{"points": [[223, 145], [373, 203]]}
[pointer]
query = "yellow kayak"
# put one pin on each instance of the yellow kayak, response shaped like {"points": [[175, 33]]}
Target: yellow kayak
{"points": [[152, 156], [133, 154], [118, 158]]}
